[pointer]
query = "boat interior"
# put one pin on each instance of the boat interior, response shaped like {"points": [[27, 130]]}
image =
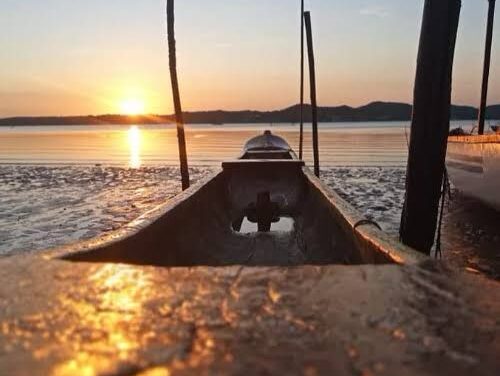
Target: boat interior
{"points": [[263, 209], [251, 213]]}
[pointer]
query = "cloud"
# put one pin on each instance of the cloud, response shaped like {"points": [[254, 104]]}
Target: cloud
{"points": [[374, 11]]}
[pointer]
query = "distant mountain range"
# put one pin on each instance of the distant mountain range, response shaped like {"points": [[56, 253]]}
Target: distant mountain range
{"points": [[375, 111]]}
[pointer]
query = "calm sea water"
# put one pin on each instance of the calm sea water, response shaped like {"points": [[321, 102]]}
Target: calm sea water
{"points": [[341, 144]]}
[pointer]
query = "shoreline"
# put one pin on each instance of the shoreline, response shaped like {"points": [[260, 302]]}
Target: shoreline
{"points": [[4, 123]]}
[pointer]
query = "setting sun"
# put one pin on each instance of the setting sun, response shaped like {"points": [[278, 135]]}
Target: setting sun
{"points": [[132, 107]]}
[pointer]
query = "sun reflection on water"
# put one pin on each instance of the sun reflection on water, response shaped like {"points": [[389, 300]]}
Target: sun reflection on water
{"points": [[134, 142]]}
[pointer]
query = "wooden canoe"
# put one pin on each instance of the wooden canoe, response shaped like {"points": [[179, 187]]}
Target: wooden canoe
{"points": [[297, 220]]}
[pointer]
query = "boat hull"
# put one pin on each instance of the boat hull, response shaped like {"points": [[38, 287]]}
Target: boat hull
{"points": [[195, 228], [296, 220], [473, 164]]}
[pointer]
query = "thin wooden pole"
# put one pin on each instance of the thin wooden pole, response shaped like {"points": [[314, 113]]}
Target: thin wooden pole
{"points": [[301, 136], [486, 68], [312, 84], [430, 123], [175, 93]]}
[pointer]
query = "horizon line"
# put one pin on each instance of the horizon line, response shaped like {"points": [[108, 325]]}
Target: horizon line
{"points": [[222, 110]]}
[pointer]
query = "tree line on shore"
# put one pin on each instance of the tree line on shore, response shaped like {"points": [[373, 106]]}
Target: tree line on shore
{"points": [[375, 111]]}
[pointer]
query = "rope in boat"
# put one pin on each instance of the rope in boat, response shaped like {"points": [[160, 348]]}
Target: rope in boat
{"points": [[446, 190], [367, 221]]}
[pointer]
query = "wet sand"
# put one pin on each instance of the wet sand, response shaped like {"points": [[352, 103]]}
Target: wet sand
{"points": [[471, 236], [43, 207]]}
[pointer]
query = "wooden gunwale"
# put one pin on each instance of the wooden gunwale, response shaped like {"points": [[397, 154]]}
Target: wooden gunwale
{"points": [[366, 237]]}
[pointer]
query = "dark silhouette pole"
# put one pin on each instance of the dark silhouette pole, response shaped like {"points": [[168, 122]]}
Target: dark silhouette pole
{"points": [[430, 123], [312, 84], [486, 68], [301, 136], [175, 93]]}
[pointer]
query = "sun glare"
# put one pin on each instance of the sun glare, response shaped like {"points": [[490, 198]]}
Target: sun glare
{"points": [[132, 107]]}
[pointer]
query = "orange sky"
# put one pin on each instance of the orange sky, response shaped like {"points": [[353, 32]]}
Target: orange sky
{"points": [[90, 57]]}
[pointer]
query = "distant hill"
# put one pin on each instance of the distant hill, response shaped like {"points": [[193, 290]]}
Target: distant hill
{"points": [[493, 112], [375, 111]]}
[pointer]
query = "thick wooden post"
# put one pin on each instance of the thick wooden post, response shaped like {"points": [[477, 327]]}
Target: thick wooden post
{"points": [[175, 93], [312, 84], [486, 68], [301, 136], [430, 123]]}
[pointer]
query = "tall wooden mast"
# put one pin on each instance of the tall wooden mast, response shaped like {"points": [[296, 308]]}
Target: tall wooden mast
{"points": [[312, 84], [486, 68], [176, 96], [301, 136]]}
